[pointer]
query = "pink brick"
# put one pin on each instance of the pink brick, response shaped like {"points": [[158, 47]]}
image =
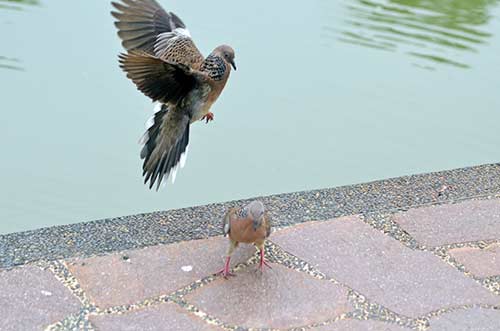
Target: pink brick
{"points": [[110, 280], [481, 262], [31, 299], [166, 316], [278, 298], [406, 281], [454, 223]]}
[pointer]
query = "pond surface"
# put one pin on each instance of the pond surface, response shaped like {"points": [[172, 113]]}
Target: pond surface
{"points": [[327, 93]]}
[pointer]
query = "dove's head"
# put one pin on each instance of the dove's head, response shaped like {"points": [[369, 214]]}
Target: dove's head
{"points": [[227, 53], [256, 210]]}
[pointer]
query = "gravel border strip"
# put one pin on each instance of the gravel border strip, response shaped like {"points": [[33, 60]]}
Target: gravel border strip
{"points": [[136, 231]]}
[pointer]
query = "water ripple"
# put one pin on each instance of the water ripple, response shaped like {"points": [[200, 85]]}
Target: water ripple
{"points": [[7, 62], [435, 31]]}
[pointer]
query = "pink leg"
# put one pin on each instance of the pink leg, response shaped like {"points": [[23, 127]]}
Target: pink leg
{"points": [[263, 261], [225, 271]]}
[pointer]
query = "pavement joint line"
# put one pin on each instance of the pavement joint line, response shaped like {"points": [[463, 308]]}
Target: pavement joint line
{"points": [[446, 310], [77, 321], [277, 254], [364, 308], [68, 280], [207, 318], [74, 322], [480, 244], [492, 283], [443, 252], [121, 309], [385, 223], [330, 321]]}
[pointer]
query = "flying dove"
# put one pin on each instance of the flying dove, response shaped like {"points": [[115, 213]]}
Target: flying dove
{"points": [[249, 224], [165, 64]]}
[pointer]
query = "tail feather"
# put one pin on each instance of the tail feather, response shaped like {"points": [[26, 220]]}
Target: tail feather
{"points": [[166, 142]]}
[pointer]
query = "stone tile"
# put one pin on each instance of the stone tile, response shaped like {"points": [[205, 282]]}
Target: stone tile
{"points": [[31, 298], [277, 298], [454, 223], [357, 325], [475, 319], [144, 273], [166, 316], [409, 282], [481, 262]]}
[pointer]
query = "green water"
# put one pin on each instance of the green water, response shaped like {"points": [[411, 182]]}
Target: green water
{"points": [[327, 93]]}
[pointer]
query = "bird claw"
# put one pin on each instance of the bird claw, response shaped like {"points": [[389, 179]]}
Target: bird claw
{"points": [[226, 273], [266, 264], [262, 264], [263, 261], [208, 117]]}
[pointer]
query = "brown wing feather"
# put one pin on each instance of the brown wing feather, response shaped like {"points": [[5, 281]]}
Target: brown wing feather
{"points": [[139, 23], [160, 80], [178, 48], [144, 25]]}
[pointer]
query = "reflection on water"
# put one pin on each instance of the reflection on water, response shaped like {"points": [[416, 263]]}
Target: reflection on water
{"points": [[432, 30], [17, 4], [8, 62]]}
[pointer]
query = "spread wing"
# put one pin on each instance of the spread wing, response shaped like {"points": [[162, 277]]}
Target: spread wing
{"points": [[144, 25], [158, 79]]}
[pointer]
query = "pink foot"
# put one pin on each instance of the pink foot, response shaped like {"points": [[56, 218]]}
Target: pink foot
{"points": [[208, 117], [263, 261], [225, 271]]}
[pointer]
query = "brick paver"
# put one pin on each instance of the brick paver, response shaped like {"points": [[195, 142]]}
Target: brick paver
{"points": [[278, 298], [481, 262], [454, 223], [406, 281], [166, 316], [357, 325], [112, 280], [31, 298], [475, 319]]}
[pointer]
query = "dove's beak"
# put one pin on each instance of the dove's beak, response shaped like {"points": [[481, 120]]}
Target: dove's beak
{"points": [[233, 65]]}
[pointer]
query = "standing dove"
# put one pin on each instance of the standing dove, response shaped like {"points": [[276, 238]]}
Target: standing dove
{"points": [[165, 64], [249, 224]]}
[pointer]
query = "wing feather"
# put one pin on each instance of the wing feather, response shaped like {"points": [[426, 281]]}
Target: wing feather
{"points": [[158, 79], [144, 25]]}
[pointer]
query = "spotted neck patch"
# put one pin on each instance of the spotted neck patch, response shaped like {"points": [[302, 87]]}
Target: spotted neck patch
{"points": [[214, 66], [242, 213]]}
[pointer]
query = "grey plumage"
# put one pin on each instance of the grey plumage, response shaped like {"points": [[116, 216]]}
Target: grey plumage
{"points": [[256, 211]]}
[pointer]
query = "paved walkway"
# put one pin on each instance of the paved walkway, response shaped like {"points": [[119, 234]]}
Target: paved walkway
{"points": [[432, 267]]}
